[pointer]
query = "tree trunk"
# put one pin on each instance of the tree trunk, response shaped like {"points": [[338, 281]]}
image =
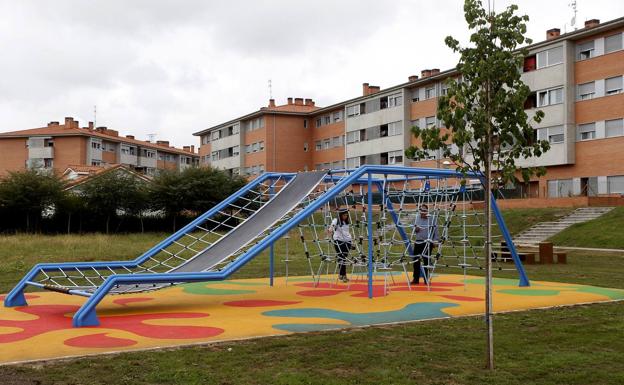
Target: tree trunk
{"points": [[107, 222], [142, 227], [174, 223], [488, 236], [69, 223]]}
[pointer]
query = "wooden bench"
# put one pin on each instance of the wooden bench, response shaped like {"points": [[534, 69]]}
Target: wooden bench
{"points": [[527, 257], [562, 257]]}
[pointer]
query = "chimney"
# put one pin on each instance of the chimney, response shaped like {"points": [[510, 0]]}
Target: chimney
{"points": [[271, 102], [592, 23], [365, 89], [54, 123], [435, 71], [309, 102], [290, 101], [68, 121], [299, 101], [91, 126], [553, 33], [111, 132], [186, 148], [373, 89], [130, 136], [193, 148], [425, 73], [412, 78], [163, 143]]}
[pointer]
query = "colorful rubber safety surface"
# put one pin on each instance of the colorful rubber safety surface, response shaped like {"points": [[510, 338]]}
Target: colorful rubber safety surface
{"points": [[236, 309]]}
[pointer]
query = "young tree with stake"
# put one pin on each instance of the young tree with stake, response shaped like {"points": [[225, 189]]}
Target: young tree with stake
{"points": [[488, 128]]}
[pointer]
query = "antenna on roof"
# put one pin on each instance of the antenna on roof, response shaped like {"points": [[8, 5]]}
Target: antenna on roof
{"points": [[573, 21], [94, 116], [270, 89], [151, 137]]}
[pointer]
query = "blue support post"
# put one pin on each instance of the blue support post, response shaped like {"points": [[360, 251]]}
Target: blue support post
{"points": [[524, 279], [369, 224]]}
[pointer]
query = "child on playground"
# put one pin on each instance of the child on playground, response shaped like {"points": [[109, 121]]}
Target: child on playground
{"points": [[341, 236], [426, 234]]}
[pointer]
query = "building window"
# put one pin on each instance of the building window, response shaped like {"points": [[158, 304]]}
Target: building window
{"points": [[585, 50], [327, 119], [395, 128], [337, 116], [383, 102], [550, 57], [416, 95], [96, 163], [613, 43], [353, 111], [318, 145], [554, 134], [353, 162], [615, 184], [215, 155], [586, 90], [613, 85], [430, 121], [550, 97], [96, 145], [205, 139], [586, 131], [395, 157], [530, 63], [353, 137], [261, 145], [614, 127], [305, 146], [430, 92], [319, 122], [326, 144], [337, 141], [395, 100], [444, 87], [559, 188], [305, 123]]}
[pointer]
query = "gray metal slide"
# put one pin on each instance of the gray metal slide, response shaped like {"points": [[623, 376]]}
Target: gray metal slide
{"points": [[282, 203]]}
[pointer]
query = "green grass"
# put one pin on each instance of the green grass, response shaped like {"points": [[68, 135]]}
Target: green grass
{"points": [[572, 345], [603, 232]]}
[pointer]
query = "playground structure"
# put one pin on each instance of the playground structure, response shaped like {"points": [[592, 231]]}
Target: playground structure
{"points": [[222, 240]]}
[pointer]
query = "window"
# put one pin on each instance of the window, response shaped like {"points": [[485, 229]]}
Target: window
{"points": [[326, 119], [353, 137], [255, 147], [353, 111], [93, 163], [395, 100], [96, 145], [586, 131], [430, 92], [337, 141], [530, 63], [415, 123], [215, 155], [395, 128], [614, 127], [305, 146], [247, 148], [416, 95], [586, 91], [559, 188], [305, 123], [585, 50], [254, 124], [430, 121], [214, 135], [261, 145], [531, 101], [49, 163], [613, 43], [613, 85], [318, 145], [326, 144], [555, 134], [383, 130], [383, 102], [353, 162], [205, 139], [615, 184], [235, 150], [395, 157], [550, 57], [550, 97], [319, 122], [48, 143], [444, 88], [337, 116]]}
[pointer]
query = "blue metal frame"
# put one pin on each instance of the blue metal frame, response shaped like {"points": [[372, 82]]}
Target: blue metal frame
{"points": [[86, 315]]}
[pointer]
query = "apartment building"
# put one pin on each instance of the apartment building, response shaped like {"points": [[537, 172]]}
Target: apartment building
{"points": [[576, 79], [58, 146]]}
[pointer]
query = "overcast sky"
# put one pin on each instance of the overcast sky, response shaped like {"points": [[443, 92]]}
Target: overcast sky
{"points": [[171, 68]]}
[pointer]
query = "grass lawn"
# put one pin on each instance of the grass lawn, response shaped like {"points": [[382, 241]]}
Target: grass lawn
{"points": [[604, 232], [573, 345]]}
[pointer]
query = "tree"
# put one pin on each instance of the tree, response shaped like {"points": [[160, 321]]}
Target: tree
{"points": [[111, 193], [484, 114], [30, 194], [194, 189]]}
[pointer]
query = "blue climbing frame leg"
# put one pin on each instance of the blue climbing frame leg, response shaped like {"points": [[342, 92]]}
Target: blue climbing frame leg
{"points": [[369, 224]]}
